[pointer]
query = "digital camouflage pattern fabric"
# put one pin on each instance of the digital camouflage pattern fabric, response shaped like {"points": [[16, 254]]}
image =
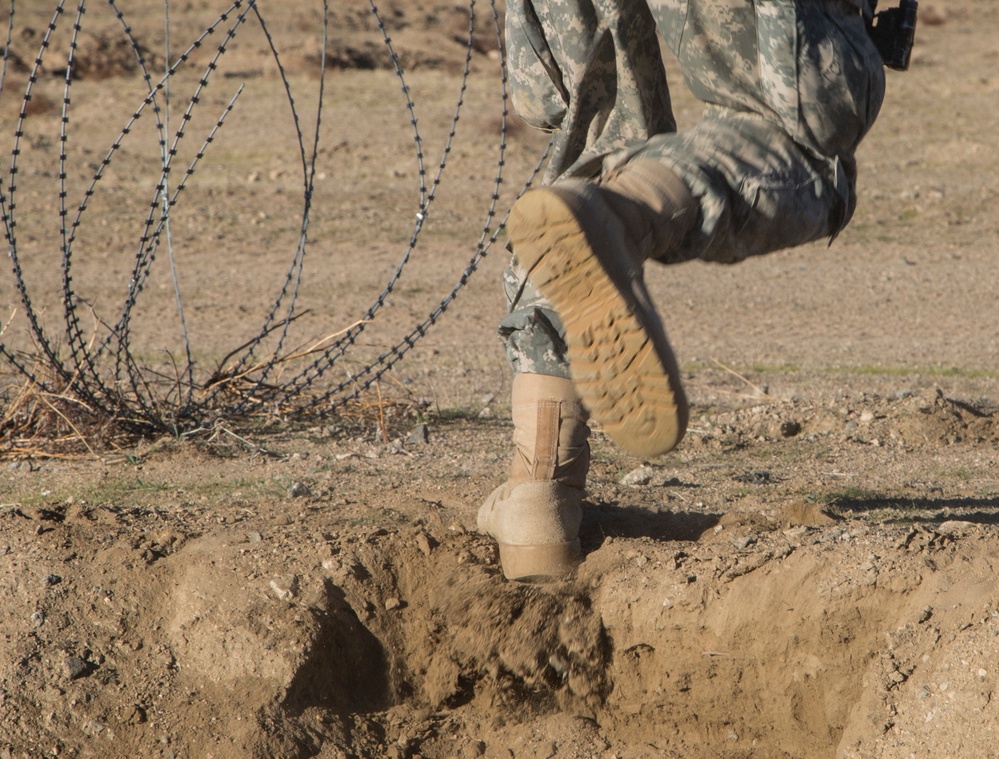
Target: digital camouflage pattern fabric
{"points": [[791, 86]]}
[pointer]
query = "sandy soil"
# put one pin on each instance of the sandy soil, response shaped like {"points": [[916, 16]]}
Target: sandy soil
{"points": [[812, 573]]}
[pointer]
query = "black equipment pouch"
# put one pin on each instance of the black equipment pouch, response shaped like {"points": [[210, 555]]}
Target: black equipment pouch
{"points": [[894, 32]]}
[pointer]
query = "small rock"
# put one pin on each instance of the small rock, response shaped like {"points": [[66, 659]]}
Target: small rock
{"points": [[285, 587], [760, 477], [832, 535], [637, 477], [391, 604], [254, 537], [38, 618], [299, 490], [75, 667], [420, 434], [423, 543], [790, 428], [742, 542], [955, 528], [93, 728], [51, 580]]}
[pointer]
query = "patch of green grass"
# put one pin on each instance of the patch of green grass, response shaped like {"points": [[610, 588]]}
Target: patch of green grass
{"points": [[877, 506], [908, 371], [775, 368], [862, 371], [124, 490], [961, 473], [241, 485], [458, 414], [700, 366], [377, 518], [846, 496]]}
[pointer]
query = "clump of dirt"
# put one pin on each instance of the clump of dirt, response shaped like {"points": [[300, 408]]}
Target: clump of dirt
{"points": [[175, 639], [522, 637], [96, 54]]}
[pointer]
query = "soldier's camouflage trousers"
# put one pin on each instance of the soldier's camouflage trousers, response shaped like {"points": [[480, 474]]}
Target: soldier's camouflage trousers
{"points": [[792, 86]]}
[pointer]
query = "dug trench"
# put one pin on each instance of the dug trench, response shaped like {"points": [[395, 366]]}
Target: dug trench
{"points": [[804, 637]]}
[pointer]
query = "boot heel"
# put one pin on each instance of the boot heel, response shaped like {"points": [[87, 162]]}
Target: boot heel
{"points": [[540, 562]]}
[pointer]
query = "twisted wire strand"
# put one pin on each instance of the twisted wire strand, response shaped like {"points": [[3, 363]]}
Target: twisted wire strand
{"points": [[133, 393], [7, 355], [150, 240], [6, 47], [328, 358], [90, 384], [361, 381], [141, 400], [293, 278], [165, 200], [8, 207], [161, 126], [126, 369]]}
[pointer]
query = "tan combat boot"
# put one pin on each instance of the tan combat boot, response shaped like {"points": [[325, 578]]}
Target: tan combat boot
{"points": [[535, 514], [583, 245]]}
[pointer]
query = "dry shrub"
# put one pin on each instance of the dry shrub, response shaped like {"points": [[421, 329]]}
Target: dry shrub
{"points": [[39, 421]]}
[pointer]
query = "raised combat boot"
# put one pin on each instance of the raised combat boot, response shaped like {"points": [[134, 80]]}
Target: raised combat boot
{"points": [[535, 514], [583, 245]]}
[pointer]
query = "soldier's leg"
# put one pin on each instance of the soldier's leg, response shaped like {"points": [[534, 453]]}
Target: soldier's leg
{"points": [[796, 86], [592, 73], [744, 182], [758, 180]]}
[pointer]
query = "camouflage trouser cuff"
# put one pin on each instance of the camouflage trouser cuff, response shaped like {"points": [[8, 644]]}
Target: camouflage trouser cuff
{"points": [[532, 332]]}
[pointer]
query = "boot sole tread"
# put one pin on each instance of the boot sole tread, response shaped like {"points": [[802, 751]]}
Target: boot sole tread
{"points": [[628, 387]]}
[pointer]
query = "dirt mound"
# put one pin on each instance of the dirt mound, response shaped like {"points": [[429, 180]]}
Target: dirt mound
{"points": [[97, 54], [422, 35], [407, 640], [524, 638], [906, 421]]}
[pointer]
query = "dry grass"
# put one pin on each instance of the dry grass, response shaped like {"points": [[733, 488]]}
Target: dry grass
{"points": [[42, 418], [38, 422]]}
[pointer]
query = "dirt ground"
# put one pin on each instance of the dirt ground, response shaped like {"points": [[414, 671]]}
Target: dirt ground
{"points": [[811, 574]]}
